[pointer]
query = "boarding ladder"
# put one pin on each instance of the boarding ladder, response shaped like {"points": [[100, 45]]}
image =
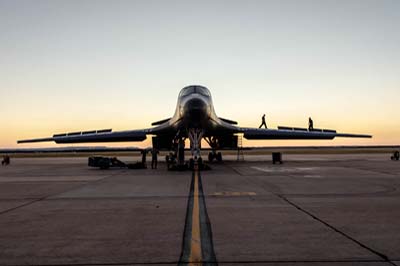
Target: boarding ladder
{"points": [[240, 155]]}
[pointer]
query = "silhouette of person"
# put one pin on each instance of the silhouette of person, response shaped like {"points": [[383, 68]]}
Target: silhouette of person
{"points": [[144, 153], [310, 124], [154, 155], [263, 122]]}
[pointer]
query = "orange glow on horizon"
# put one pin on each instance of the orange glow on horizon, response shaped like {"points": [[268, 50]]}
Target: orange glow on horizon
{"points": [[13, 132]]}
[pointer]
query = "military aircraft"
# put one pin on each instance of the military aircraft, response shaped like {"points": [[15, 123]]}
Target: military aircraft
{"points": [[196, 119]]}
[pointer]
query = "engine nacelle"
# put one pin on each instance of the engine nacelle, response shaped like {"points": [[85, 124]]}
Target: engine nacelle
{"points": [[227, 142], [163, 143]]}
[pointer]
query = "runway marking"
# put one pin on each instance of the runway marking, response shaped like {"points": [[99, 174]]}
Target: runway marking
{"points": [[197, 245], [195, 250], [233, 193], [312, 176], [284, 169]]}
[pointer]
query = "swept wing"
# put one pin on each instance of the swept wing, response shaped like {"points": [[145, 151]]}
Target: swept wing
{"points": [[295, 133], [105, 135]]}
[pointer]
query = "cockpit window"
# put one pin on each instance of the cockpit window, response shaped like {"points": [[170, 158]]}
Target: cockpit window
{"points": [[203, 91], [188, 90], [195, 89]]}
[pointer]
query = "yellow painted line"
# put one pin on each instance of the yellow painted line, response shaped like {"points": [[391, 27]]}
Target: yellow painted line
{"points": [[195, 257]]}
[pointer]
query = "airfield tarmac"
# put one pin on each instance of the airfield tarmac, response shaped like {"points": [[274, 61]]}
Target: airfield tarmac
{"points": [[311, 210]]}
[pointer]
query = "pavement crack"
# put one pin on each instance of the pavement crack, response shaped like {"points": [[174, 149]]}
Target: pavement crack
{"points": [[20, 206], [377, 253], [52, 195]]}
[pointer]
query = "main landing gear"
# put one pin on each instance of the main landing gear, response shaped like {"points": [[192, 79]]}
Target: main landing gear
{"points": [[176, 159], [214, 144]]}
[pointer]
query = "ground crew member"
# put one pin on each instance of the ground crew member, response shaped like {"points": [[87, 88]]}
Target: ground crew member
{"points": [[181, 152], [396, 156], [154, 155], [144, 153], [263, 122], [310, 124]]}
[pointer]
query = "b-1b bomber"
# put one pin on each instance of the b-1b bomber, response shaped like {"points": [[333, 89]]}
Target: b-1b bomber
{"points": [[194, 119]]}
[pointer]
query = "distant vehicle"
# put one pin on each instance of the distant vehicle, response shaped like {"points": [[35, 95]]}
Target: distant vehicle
{"points": [[6, 160], [107, 162], [194, 118]]}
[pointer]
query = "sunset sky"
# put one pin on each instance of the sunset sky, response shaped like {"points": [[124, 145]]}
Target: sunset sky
{"points": [[79, 65]]}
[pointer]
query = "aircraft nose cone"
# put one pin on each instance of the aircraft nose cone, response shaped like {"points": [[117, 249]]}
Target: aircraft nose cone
{"points": [[196, 105], [195, 110]]}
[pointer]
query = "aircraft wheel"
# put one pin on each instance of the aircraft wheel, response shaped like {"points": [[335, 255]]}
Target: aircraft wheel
{"points": [[219, 157]]}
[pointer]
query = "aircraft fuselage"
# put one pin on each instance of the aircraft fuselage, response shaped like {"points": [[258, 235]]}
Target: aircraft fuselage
{"points": [[195, 110]]}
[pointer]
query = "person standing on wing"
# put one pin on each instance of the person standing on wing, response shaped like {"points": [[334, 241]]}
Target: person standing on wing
{"points": [[263, 122], [310, 124]]}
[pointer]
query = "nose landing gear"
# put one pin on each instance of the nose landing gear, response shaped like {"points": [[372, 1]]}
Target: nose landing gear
{"points": [[195, 136], [176, 161]]}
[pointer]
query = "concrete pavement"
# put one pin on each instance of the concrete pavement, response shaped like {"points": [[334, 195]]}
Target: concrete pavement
{"points": [[309, 211]]}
